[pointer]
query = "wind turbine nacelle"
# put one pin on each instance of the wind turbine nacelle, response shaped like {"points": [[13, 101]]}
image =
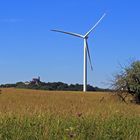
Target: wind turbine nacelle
{"points": [[86, 37]]}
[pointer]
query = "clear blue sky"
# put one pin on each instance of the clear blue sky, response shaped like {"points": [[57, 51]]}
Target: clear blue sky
{"points": [[29, 49]]}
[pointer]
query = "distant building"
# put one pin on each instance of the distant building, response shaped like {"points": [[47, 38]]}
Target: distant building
{"points": [[35, 81], [27, 83]]}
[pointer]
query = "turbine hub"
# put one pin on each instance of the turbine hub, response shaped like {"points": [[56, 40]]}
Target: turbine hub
{"points": [[86, 37]]}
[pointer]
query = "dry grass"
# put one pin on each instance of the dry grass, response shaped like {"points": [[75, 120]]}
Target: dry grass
{"points": [[45, 115], [23, 102]]}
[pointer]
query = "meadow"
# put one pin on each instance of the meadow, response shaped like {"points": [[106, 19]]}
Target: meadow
{"points": [[59, 115]]}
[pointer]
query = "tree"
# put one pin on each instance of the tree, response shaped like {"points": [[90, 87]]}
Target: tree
{"points": [[128, 81]]}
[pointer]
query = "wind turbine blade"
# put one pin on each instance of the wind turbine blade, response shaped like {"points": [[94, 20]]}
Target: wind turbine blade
{"points": [[69, 33], [95, 25], [89, 55]]}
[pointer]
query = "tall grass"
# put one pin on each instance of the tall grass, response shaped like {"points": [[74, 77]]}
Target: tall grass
{"points": [[41, 115], [56, 128]]}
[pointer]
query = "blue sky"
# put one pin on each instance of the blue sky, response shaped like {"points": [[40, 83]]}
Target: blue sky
{"points": [[29, 49]]}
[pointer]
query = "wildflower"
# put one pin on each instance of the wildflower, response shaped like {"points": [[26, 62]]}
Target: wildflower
{"points": [[79, 114]]}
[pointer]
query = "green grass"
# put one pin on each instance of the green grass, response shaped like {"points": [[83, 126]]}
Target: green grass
{"points": [[77, 128]]}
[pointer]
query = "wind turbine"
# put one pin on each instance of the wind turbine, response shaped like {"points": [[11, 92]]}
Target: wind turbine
{"points": [[86, 49]]}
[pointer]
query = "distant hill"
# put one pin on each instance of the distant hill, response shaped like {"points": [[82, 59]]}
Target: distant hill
{"points": [[60, 86]]}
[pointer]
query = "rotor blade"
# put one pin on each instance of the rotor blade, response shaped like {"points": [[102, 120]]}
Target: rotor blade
{"points": [[89, 56], [95, 25], [69, 33]]}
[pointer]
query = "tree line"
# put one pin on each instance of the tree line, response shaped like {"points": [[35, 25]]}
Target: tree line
{"points": [[60, 86]]}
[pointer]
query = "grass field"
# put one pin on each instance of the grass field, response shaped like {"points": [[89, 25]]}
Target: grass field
{"points": [[49, 115]]}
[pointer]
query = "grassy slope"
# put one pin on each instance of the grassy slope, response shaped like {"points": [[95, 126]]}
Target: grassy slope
{"points": [[31, 114]]}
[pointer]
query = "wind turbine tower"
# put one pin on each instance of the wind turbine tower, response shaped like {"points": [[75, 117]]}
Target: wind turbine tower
{"points": [[86, 50]]}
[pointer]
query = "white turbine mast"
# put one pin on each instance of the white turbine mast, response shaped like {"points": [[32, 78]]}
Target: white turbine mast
{"points": [[86, 50]]}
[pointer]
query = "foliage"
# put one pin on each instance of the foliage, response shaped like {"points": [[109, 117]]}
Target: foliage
{"points": [[53, 86], [129, 81], [7, 85]]}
